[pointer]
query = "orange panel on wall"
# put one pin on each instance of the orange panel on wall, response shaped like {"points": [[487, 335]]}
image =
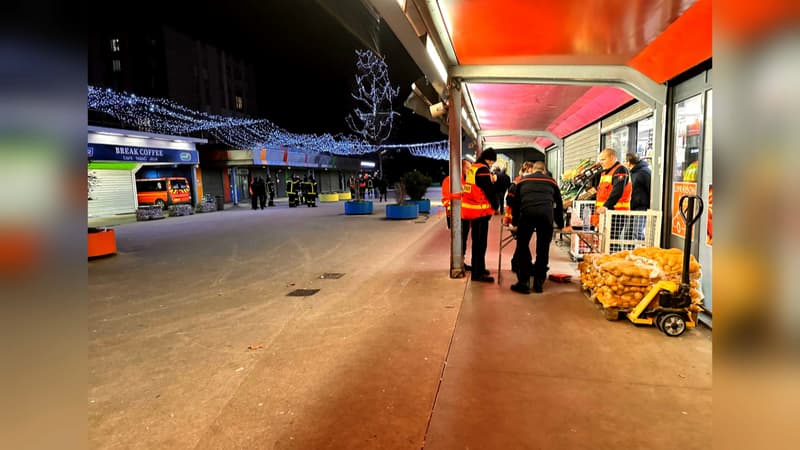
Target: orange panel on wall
{"points": [[685, 44]]}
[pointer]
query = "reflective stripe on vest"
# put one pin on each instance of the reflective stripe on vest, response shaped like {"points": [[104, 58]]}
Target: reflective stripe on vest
{"points": [[605, 187], [474, 203]]}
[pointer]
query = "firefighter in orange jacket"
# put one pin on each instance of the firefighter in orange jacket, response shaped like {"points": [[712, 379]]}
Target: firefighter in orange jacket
{"points": [[478, 204], [613, 192]]}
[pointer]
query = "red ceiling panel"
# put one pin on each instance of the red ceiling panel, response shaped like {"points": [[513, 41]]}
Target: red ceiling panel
{"points": [[594, 104], [521, 106], [523, 31]]}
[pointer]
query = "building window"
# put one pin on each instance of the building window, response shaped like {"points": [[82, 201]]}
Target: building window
{"points": [[239, 103], [116, 65], [115, 45]]}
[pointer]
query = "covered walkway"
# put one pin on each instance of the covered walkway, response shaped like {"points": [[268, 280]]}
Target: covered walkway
{"points": [[394, 354]]}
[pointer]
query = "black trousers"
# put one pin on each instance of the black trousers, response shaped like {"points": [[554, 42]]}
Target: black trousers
{"points": [[262, 199], [254, 200], [271, 199], [480, 236], [543, 227]]}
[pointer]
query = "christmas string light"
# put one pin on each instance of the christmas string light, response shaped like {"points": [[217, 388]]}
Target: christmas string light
{"points": [[434, 150], [373, 117], [168, 117]]}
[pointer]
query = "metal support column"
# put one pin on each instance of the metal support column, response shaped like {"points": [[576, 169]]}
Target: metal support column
{"points": [[454, 122], [659, 156]]}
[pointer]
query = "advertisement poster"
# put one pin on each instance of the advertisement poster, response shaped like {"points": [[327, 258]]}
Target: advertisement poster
{"points": [[679, 189], [710, 201]]}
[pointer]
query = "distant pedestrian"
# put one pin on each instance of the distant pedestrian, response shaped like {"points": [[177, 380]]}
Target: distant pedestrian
{"points": [[501, 185], [260, 191], [383, 186]]}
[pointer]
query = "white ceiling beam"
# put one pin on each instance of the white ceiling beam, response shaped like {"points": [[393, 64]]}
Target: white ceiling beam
{"points": [[527, 133], [395, 17]]}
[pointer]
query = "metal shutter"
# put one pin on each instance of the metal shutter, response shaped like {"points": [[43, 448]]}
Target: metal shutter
{"points": [[329, 182], [631, 114], [584, 144], [212, 182], [114, 192]]}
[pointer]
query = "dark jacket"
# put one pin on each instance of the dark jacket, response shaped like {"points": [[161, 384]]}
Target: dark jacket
{"points": [[533, 195], [640, 180], [483, 179], [502, 184]]}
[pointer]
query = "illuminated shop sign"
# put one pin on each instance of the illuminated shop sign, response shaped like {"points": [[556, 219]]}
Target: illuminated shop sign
{"points": [[107, 152]]}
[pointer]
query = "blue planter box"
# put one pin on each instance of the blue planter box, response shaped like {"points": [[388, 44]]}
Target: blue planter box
{"points": [[353, 208], [407, 211], [424, 205]]}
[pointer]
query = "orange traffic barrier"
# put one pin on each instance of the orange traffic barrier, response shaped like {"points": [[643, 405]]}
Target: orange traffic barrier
{"points": [[102, 243]]}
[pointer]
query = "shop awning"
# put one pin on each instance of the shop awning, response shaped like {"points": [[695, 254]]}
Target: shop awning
{"points": [[551, 66]]}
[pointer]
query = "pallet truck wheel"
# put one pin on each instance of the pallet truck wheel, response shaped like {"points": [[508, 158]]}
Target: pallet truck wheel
{"points": [[673, 325], [659, 321]]}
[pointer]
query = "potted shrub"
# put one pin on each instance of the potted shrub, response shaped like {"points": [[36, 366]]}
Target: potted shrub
{"points": [[416, 185], [402, 209]]}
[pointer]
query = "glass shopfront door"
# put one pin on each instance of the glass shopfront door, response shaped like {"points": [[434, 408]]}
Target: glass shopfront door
{"points": [[691, 170]]}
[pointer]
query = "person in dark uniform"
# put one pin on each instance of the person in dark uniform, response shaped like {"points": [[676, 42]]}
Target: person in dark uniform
{"points": [[253, 195], [501, 185], [270, 191], [310, 192], [535, 204], [304, 188], [291, 191], [260, 191]]}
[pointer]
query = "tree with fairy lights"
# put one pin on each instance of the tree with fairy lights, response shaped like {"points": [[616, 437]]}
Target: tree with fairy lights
{"points": [[373, 117]]}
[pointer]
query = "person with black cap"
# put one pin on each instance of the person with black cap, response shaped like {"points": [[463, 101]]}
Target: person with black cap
{"points": [[478, 204], [535, 204]]}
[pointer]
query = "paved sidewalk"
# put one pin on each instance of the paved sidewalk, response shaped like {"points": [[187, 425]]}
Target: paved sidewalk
{"points": [[394, 354]]}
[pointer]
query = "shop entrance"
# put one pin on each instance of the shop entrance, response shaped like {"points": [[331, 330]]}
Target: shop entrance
{"points": [[691, 169], [240, 183]]}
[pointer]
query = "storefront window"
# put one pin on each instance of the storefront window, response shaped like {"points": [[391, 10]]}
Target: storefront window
{"points": [[618, 140], [644, 138], [688, 138]]}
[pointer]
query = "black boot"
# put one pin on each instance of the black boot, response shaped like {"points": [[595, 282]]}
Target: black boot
{"points": [[521, 287], [538, 285]]}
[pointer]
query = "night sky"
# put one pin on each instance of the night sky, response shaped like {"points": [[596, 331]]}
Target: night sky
{"points": [[304, 58]]}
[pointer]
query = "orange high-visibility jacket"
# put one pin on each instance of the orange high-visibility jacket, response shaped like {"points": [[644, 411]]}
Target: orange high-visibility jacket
{"points": [[606, 185], [474, 203]]}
